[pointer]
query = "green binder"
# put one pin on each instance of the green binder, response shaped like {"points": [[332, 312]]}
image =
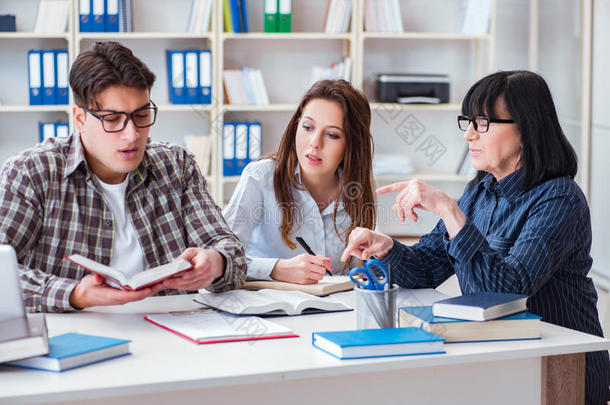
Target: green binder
{"points": [[285, 16], [271, 16]]}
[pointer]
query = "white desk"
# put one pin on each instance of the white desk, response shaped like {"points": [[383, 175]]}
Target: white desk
{"points": [[165, 368]]}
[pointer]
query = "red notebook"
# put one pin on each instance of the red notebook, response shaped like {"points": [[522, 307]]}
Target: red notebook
{"points": [[209, 326]]}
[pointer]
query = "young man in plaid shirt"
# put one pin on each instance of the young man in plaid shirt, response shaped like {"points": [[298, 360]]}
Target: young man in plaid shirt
{"points": [[108, 193]]}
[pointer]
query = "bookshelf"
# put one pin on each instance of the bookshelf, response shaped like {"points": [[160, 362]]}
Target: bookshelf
{"points": [[431, 42]]}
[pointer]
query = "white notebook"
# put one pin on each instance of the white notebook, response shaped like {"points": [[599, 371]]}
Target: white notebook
{"points": [[269, 302], [214, 327]]}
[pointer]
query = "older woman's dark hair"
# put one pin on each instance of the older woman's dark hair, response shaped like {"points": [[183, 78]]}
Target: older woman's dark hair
{"points": [[546, 152]]}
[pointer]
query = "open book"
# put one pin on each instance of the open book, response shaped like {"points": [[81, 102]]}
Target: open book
{"points": [[215, 327], [137, 281], [269, 302], [327, 285]]}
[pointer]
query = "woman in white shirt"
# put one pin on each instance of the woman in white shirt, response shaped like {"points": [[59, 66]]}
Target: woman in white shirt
{"points": [[318, 186]]}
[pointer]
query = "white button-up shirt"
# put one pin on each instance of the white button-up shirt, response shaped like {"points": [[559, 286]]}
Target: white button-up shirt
{"points": [[255, 216]]}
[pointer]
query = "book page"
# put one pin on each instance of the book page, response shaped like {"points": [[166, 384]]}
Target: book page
{"points": [[299, 301], [99, 268], [242, 302], [159, 273]]}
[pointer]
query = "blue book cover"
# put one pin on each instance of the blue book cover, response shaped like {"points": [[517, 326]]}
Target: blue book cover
{"points": [[353, 344], [72, 350], [425, 314], [480, 306], [520, 326]]}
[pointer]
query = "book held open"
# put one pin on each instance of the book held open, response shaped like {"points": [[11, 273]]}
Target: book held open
{"points": [[138, 281]]}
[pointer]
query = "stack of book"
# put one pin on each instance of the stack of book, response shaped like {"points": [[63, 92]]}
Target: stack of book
{"points": [[245, 86], [338, 15], [382, 16], [475, 317], [105, 15], [199, 17]]}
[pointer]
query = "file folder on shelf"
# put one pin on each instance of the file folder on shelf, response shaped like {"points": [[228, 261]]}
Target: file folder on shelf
{"points": [[85, 15], [191, 72], [255, 141], [226, 13], [205, 77], [175, 74], [62, 130], [48, 78], [228, 149], [47, 130], [62, 72], [98, 19], [271, 23], [112, 16], [243, 14], [235, 18], [285, 16], [241, 146], [35, 76]]}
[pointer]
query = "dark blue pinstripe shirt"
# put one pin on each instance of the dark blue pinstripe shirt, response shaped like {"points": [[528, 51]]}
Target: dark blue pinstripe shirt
{"points": [[529, 241]]}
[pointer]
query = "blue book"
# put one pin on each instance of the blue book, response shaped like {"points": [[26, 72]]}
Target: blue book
{"points": [[235, 12], [176, 76], [519, 326], [73, 350], [480, 306], [357, 344], [49, 78], [111, 23], [62, 73], [205, 77], [85, 15]]}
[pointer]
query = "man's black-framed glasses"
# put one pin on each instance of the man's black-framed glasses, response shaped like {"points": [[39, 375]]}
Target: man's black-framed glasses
{"points": [[481, 124], [116, 121]]}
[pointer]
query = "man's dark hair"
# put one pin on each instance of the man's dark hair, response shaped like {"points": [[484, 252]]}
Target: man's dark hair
{"points": [[107, 64], [546, 152]]}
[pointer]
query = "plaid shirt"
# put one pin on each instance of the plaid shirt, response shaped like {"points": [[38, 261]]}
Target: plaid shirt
{"points": [[50, 207]]}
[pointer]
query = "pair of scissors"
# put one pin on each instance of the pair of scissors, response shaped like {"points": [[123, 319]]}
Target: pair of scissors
{"points": [[366, 277]]}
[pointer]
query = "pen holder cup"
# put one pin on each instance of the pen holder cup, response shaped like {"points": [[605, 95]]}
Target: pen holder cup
{"points": [[376, 308]]}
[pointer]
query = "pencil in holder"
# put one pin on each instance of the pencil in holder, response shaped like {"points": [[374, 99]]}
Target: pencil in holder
{"points": [[376, 308]]}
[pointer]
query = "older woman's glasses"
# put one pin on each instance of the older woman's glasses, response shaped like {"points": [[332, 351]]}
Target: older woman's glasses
{"points": [[116, 121], [480, 124]]}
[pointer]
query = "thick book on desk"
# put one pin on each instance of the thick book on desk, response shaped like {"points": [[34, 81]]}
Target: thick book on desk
{"points": [[269, 302], [214, 327], [35, 343], [480, 306], [522, 325], [356, 344], [328, 285], [72, 350], [138, 281]]}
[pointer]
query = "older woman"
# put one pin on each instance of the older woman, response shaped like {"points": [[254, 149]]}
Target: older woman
{"points": [[522, 225]]}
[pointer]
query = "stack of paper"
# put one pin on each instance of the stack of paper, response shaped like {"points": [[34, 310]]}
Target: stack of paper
{"points": [[337, 70], [245, 86], [52, 16], [338, 16], [199, 17], [382, 16]]}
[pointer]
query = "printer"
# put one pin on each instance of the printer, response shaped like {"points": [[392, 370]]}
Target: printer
{"points": [[413, 88]]}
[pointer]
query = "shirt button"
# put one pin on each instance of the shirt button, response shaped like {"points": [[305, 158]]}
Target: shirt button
{"points": [[108, 223]]}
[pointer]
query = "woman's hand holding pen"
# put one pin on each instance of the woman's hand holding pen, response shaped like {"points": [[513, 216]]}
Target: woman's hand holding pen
{"points": [[301, 269]]}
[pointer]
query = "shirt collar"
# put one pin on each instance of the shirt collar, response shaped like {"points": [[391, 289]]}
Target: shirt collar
{"points": [[510, 187], [331, 207], [76, 158]]}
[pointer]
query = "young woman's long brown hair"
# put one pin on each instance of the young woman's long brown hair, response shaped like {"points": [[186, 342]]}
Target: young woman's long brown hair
{"points": [[356, 180]]}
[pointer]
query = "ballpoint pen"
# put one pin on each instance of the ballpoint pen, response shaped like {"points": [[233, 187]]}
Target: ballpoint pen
{"points": [[308, 250]]}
